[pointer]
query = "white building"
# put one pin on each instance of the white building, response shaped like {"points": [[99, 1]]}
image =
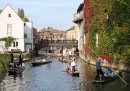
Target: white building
{"points": [[12, 25], [79, 19]]}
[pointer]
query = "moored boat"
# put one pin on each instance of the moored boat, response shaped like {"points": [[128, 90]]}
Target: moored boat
{"points": [[16, 70]]}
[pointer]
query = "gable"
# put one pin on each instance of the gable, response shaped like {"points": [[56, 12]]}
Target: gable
{"points": [[9, 10]]}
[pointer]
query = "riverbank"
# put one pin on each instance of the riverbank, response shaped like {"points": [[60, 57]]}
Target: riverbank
{"points": [[3, 67], [92, 61], [4, 59]]}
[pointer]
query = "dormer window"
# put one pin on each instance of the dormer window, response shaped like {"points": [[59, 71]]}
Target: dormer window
{"points": [[9, 15]]}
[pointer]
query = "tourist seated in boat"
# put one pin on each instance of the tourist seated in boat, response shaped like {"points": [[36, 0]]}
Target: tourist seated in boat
{"points": [[58, 54], [14, 66], [37, 60], [43, 60], [10, 64], [68, 68], [117, 72], [70, 53], [48, 54], [108, 73]]}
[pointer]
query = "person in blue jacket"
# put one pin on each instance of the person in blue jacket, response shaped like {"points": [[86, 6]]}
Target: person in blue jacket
{"points": [[99, 70]]}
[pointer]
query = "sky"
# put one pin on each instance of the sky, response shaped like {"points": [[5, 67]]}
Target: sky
{"points": [[57, 14]]}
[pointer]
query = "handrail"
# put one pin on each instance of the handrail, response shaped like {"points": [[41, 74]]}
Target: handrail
{"points": [[59, 42]]}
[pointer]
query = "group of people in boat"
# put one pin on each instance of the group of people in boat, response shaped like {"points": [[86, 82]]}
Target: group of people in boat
{"points": [[40, 60], [71, 65], [109, 72], [65, 54]]}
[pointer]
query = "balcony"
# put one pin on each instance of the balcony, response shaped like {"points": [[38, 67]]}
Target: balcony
{"points": [[78, 17]]}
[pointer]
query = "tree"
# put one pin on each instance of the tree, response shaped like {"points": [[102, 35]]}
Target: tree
{"points": [[8, 41], [21, 15]]}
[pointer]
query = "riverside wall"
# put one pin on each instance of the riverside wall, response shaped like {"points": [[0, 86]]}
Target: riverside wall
{"points": [[92, 61]]}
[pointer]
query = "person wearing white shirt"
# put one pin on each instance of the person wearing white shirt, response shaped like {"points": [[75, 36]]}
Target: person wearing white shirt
{"points": [[73, 65], [64, 52]]}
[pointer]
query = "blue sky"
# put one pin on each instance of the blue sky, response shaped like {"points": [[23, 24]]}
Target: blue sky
{"points": [[46, 13]]}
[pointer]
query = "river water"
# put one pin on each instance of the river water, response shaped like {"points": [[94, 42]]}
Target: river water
{"points": [[50, 77]]}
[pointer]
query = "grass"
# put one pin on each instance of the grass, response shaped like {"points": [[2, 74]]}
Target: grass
{"points": [[6, 57]]}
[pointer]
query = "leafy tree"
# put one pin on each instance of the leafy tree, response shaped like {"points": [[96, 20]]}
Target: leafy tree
{"points": [[21, 15], [8, 41], [26, 19]]}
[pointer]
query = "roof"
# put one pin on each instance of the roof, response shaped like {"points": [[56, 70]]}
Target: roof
{"points": [[12, 9], [53, 31], [80, 7], [0, 11], [72, 28]]}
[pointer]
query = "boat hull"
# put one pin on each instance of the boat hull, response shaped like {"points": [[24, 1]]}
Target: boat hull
{"points": [[108, 79], [16, 71], [40, 63]]}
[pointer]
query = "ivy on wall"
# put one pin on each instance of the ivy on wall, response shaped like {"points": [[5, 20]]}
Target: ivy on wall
{"points": [[110, 19]]}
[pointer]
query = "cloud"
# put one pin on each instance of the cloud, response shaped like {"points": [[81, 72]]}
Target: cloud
{"points": [[60, 7]]}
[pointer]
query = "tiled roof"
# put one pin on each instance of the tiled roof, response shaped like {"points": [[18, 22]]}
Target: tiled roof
{"points": [[0, 11], [72, 28], [53, 31]]}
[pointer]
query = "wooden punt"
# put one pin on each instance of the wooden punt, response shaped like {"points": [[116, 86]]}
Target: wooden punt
{"points": [[15, 71], [63, 61], [76, 73], [40, 63], [107, 79]]}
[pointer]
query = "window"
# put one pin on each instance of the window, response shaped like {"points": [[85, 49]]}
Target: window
{"points": [[25, 35], [13, 44], [16, 43], [9, 29], [9, 15]]}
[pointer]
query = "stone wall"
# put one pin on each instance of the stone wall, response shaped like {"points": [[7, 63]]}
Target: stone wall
{"points": [[92, 61]]}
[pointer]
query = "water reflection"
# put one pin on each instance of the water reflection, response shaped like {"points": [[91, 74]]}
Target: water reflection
{"points": [[50, 77]]}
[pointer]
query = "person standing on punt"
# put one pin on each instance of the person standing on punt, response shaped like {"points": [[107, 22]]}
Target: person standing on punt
{"points": [[11, 56], [73, 65], [99, 70], [20, 58]]}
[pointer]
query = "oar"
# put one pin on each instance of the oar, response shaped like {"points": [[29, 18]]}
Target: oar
{"points": [[110, 68]]}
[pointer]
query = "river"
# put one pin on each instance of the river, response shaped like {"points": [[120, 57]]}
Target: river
{"points": [[50, 77]]}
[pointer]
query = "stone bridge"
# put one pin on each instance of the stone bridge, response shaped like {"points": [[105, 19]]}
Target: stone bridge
{"points": [[58, 43]]}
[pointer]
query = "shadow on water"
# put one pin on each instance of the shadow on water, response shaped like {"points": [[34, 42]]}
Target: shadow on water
{"points": [[50, 77]]}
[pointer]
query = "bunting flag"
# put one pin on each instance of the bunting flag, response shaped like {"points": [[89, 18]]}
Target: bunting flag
{"points": [[87, 16]]}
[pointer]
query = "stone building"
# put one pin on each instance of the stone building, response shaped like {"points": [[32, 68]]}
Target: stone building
{"points": [[52, 34], [72, 33]]}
